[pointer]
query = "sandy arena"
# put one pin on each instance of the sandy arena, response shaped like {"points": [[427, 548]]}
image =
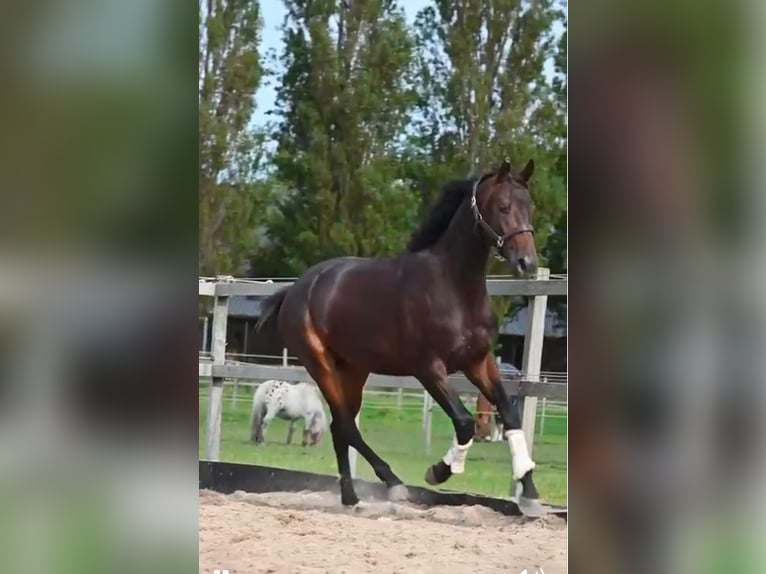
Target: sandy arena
{"points": [[310, 532]]}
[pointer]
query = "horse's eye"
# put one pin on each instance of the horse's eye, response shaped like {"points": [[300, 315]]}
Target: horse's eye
{"points": [[505, 209]]}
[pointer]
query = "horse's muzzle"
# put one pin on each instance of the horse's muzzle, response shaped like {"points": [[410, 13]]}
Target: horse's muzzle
{"points": [[526, 264]]}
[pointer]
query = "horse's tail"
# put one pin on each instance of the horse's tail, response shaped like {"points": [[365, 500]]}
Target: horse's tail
{"points": [[271, 308]]}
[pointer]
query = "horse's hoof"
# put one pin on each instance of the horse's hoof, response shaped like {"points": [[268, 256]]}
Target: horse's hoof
{"points": [[349, 499], [531, 507], [398, 493], [438, 473]]}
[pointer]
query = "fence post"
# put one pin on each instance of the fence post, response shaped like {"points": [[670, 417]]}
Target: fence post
{"points": [[533, 355], [426, 422], [352, 454], [204, 333], [284, 357], [213, 434], [399, 392], [542, 415]]}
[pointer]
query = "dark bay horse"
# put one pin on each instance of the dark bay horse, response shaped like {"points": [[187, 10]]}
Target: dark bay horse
{"points": [[424, 313]]}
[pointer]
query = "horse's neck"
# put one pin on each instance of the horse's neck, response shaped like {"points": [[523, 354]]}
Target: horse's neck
{"points": [[463, 252]]}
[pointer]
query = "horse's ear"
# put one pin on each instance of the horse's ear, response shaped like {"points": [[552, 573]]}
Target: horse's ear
{"points": [[526, 173], [504, 170]]}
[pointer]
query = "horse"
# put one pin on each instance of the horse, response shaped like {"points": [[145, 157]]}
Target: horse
{"points": [[425, 313], [290, 402], [489, 423], [485, 425]]}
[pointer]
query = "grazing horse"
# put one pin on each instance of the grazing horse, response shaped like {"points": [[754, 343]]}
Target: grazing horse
{"points": [[484, 424], [290, 402], [489, 423], [423, 313]]}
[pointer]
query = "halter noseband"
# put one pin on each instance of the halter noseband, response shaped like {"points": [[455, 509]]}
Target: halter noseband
{"points": [[499, 239]]}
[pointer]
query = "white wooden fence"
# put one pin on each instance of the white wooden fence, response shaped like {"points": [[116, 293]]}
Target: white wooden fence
{"points": [[529, 386]]}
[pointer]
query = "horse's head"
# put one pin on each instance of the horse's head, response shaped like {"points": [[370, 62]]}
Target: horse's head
{"points": [[503, 209]]}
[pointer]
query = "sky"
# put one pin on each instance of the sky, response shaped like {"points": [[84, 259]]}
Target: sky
{"points": [[273, 17]]}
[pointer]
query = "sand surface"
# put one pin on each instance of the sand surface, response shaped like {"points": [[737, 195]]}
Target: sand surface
{"points": [[310, 532]]}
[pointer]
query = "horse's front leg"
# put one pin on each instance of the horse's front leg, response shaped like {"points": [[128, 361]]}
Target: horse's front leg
{"points": [[486, 377], [453, 462]]}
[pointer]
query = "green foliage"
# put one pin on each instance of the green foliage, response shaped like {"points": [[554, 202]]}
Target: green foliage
{"points": [[345, 102]]}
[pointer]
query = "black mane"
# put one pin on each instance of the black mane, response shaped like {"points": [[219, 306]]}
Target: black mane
{"points": [[438, 219]]}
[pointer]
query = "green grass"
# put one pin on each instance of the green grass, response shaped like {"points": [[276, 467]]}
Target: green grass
{"points": [[397, 436]]}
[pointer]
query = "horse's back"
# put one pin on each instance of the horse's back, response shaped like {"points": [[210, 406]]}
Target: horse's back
{"points": [[357, 300], [308, 290], [268, 392], [369, 312], [307, 397], [334, 296]]}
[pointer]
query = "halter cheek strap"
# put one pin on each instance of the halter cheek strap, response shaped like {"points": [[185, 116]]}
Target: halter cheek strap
{"points": [[499, 239]]}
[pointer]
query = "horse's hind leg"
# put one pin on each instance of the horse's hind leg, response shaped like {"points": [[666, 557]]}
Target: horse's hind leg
{"points": [[290, 431], [271, 412], [486, 377], [304, 342], [256, 424], [353, 385]]}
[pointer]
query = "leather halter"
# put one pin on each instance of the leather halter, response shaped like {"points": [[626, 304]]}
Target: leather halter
{"points": [[499, 239]]}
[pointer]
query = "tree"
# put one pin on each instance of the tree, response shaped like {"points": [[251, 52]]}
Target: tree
{"points": [[344, 101], [556, 246], [229, 150]]}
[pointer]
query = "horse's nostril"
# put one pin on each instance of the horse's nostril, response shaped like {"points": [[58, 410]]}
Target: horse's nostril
{"points": [[527, 264]]}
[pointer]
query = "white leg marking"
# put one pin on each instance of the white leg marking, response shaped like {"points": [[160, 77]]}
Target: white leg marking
{"points": [[456, 456], [521, 462]]}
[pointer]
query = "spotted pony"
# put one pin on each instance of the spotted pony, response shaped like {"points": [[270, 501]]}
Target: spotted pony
{"points": [[289, 402]]}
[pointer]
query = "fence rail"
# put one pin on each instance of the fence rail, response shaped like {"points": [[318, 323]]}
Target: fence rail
{"points": [[288, 360], [229, 286], [300, 375]]}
